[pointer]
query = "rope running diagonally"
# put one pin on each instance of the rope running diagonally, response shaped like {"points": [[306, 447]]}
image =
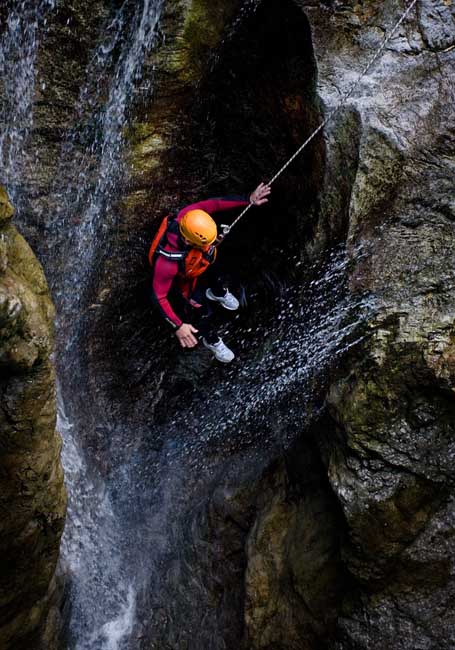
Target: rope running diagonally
{"points": [[331, 115]]}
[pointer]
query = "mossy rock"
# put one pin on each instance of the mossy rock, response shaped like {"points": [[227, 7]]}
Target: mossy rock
{"points": [[6, 209], [33, 497]]}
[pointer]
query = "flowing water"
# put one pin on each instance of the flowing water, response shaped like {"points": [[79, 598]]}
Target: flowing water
{"points": [[212, 441], [19, 42], [103, 598], [127, 539], [104, 585], [89, 217]]}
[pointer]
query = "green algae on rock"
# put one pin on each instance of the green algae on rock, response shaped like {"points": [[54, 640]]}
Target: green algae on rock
{"points": [[389, 455], [32, 494]]}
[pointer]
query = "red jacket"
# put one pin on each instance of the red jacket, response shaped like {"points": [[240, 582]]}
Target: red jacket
{"points": [[166, 272]]}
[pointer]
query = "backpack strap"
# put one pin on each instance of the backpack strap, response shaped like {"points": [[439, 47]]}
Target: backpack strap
{"points": [[170, 255]]}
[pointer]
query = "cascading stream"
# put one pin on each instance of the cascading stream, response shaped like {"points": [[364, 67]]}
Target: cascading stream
{"points": [[88, 208], [103, 596], [96, 544], [102, 593], [18, 49], [255, 408], [102, 586]]}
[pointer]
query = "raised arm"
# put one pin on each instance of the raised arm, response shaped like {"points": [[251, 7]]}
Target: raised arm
{"points": [[217, 205], [257, 197]]}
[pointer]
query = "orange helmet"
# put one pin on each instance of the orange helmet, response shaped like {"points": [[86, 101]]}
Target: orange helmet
{"points": [[198, 227]]}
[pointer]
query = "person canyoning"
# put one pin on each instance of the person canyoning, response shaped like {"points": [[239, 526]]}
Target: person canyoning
{"points": [[183, 248]]}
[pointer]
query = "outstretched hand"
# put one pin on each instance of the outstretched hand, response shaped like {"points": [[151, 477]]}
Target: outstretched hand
{"points": [[185, 335], [260, 194]]}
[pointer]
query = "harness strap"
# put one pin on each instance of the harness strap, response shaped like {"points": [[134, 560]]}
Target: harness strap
{"points": [[171, 256]]}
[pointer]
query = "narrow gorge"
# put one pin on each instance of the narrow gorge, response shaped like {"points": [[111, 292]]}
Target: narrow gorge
{"points": [[301, 498]]}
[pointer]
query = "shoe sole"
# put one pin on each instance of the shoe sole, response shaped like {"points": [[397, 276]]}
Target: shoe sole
{"points": [[217, 358], [224, 360], [228, 308], [213, 298]]}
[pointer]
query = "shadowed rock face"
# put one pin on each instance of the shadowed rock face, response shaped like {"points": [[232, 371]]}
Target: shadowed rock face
{"points": [[32, 497], [386, 442], [190, 142], [390, 452]]}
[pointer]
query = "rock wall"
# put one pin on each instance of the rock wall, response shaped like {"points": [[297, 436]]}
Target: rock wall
{"points": [[295, 574], [188, 141], [32, 500], [392, 466], [389, 449]]}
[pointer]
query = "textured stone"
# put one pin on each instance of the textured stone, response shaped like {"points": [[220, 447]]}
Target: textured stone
{"points": [[294, 574], [6, 209], [437, 23], [392, 449], [32, 501]]}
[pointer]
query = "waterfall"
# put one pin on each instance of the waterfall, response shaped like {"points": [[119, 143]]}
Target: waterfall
{"points": [[254, 413], [95, 545], [87, 212], [103, 594], [18, 49]]}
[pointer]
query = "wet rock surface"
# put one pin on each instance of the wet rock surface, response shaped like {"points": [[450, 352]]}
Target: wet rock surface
{"points": [[389, 456], [33, 497]]}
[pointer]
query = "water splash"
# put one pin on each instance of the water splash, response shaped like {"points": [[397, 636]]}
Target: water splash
{"points": [[103, 597], [254, 413], [115, 631], [317, 324]]}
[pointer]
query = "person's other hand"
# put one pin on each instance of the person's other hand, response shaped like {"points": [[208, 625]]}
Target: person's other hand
{"points": [[260, 194], [185, 335]]}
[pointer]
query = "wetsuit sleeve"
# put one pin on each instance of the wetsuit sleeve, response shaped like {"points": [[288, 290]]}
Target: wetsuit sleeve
{"points": [[164, 272], [217, 205]]}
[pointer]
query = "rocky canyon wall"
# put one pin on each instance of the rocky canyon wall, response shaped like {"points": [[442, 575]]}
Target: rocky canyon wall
{"points": [[33, 497], [324, 519], [388, 450]]}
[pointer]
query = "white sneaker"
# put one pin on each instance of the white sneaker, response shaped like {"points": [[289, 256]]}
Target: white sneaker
{"points": [[220, 351], [228, 301]]}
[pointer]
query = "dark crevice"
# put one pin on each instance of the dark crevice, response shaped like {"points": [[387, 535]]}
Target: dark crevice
{"points": [[265, 79]]}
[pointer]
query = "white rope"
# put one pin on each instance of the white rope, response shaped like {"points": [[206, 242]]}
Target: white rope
{"points": [[331, 115]]}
